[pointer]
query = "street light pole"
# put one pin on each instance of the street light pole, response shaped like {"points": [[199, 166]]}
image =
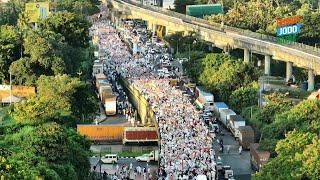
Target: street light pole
{"points": [[10, 88]]}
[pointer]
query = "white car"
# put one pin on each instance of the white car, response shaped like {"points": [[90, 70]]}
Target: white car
{"points": [[110, 158], [152, 156]]}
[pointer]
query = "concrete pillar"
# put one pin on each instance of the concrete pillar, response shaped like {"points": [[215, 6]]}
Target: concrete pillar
{"points": [[259, 63], [154, 28], [288, 70], [310, 80], [167, 31], [226, 50], [246, 56], [267, 62]]}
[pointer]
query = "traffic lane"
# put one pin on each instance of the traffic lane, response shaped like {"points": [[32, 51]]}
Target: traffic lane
{"points": [[111, 168], [240, 163], [123, 161]]}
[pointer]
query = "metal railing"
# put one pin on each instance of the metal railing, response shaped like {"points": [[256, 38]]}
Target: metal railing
{"points": [[218, 27]]}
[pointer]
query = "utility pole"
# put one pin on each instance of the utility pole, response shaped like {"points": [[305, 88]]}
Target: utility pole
{"points": [[10, 88]]}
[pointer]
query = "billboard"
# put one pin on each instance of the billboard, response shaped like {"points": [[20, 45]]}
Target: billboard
{"points": [[287, 29], [37, 11]]}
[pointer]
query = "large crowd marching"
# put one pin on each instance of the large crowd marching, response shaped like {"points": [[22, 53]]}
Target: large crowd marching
{"points": [[186, 145]]}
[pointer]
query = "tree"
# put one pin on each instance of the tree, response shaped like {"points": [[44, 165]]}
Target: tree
{"points": [[73, 28], [48, 151], [305, 116], [310, 31], [83, 103], [61, 99], [9, 50], [10, 11], [294, 160], [223, 74], [83, 7], [180, 5], [22, 72], [244, 97]]}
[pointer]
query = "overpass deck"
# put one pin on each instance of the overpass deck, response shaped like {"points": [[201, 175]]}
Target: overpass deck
{"points": [[300, 55]]}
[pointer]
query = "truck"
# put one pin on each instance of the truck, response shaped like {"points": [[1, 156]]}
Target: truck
{"points": [[234, 123], [110, 105], [97, 67], [152, 156], [108, 99], [140, 135], [105, 90], [101, 133], [225, 115], [205, 98], [218, 106], [246, 136], [257, 157]]}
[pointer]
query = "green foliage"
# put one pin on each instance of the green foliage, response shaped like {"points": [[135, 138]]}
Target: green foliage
{"points": [[61, 99], [36, 144], [73, 28], [294, 160], [222, 75], [180, 5], [192, 67], [310, 33], [241, 13], [305, 116], [83, 7], [185, 43], [48, 151], [244, 97], [9, 50], [265, 15], [9, 12]]}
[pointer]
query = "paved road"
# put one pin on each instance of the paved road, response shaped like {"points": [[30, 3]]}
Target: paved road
{"points": [[111, 168], [240, 164]]}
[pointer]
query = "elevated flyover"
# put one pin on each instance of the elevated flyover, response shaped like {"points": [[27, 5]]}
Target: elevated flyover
{"points": [[224, 37]]}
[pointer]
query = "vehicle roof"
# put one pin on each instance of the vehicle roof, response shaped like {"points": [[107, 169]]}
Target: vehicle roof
{"points": [[221, 105], [236, 118], [111, 155]]}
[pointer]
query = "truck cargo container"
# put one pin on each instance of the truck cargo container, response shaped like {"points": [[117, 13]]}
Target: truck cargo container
{"points": [[97, 68], [140, 134], [258, 158], [234, 123], [101, 82], [104, 92], [246, 136], [101, 132], [110, 105], [225, 116], [100, 76], [218, 106], [205, 98]]}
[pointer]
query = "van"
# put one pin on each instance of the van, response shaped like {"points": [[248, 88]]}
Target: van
{"points": [[110, 158]]}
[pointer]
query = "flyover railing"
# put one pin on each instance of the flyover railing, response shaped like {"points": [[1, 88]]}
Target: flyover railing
{"points": [[223, 28]]}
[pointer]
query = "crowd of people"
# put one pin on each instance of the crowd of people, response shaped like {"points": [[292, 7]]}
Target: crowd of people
{"points": [[185, 142]]}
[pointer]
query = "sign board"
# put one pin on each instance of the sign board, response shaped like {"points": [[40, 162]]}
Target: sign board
{"points": [[37, 11], [287, 29]]}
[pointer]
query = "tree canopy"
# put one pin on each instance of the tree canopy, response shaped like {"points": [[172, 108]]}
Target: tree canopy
{"points": [[37, 139]]}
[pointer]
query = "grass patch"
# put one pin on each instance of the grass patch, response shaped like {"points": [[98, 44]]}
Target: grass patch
{"points": [[4, 115]]}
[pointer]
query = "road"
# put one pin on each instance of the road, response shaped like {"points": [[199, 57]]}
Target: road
{"points": [[240, 164], [110, 169]]}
